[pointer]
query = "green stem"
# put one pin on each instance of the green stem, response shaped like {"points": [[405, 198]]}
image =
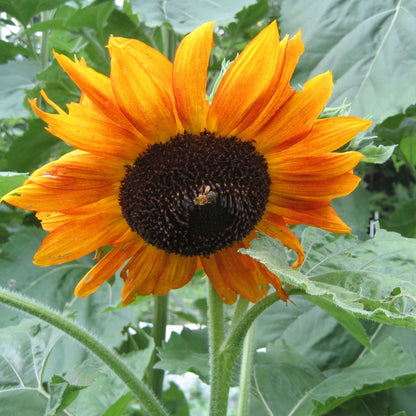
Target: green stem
{"points": [[145, 397], [240, 309], [160, 316], [220, 368], [245, 374], [237, 334]]}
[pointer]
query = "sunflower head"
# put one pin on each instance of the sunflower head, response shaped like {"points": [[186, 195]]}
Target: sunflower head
{"points": [[174, 183]]}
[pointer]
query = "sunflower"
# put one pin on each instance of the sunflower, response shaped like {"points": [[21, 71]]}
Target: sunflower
{"points": [[174, 183]]}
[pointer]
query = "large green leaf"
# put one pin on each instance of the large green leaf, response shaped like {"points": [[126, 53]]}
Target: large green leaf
{"points": [[24, 351], [186, 15], [15, 78], [53, 285], [191, 344], [288, 384], [24, 10], [375, 279], [369, 45], [310, 332], [10, 181]]}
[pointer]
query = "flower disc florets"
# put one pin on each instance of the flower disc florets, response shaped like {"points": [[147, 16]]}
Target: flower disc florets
{"points": [[195, 194]]}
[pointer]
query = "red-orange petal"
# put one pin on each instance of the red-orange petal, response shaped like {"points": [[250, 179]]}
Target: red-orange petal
{"points": [[190, 78], [108, 266], [274, 226], [80, 237], [143, 94], [247, 85], [296, 117], [327, 135]]}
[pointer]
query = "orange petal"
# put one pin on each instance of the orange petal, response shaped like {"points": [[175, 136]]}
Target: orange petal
{"points": [[143, 94], [78, 170], [311, 168], [327, 135], [86, 129], [325, 218], [36, 197], [142, 272], [297, 203], [107, 267], [216, 275], [53, 220], [190, 78], [296, 117], [327, 188], [290, 51], [274, 226], [80, 237], [248, 84], [96, 86], [178, 273], [241, 274]]}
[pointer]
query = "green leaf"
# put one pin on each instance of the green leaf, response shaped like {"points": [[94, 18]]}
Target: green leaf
{"points": [[403, 219], [374, 279], [10, 181], [53, 285], [24, 351], [175, 401], [305, 391], [309, 331], [386, 366], [119, 407], [8, 51], [369, 46], [192, 344], [186, 15], [35, 147], [15, 78], [24, 10], [62, 394]]}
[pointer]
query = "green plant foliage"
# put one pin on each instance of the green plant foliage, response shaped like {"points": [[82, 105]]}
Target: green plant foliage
{"points": [[15, 77], [365, 44], [185, 16]]}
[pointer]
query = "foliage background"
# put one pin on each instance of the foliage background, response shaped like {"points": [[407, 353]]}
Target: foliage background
{"points": [[348, 348]]}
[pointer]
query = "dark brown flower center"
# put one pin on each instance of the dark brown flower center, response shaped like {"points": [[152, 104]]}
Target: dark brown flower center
{"points": [[195, 194]]}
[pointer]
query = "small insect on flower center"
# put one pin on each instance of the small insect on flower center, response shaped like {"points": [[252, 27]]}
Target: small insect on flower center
{"points": [[195, 194]]}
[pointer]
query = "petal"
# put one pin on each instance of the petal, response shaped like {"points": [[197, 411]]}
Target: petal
{"points": [[290, 51], [52, 220], [248, 84], [178, 273], [86, 129], [295, 118], [96, 86], [190, 78], [311, 168], [325, 218], [327, 135], [107, 266], [142, 272], [142, 91], [216, 275], [315, 189], [241, 274], [80, 237], [78, 170], [36, 197], [274, 226]]}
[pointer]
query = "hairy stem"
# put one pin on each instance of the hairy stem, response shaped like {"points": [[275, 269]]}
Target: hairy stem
{"points": [[160, 316]]}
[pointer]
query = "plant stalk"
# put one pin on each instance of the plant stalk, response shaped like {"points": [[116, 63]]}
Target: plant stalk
{"points": [[245, 374], [160, 316], [220, 368]]}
